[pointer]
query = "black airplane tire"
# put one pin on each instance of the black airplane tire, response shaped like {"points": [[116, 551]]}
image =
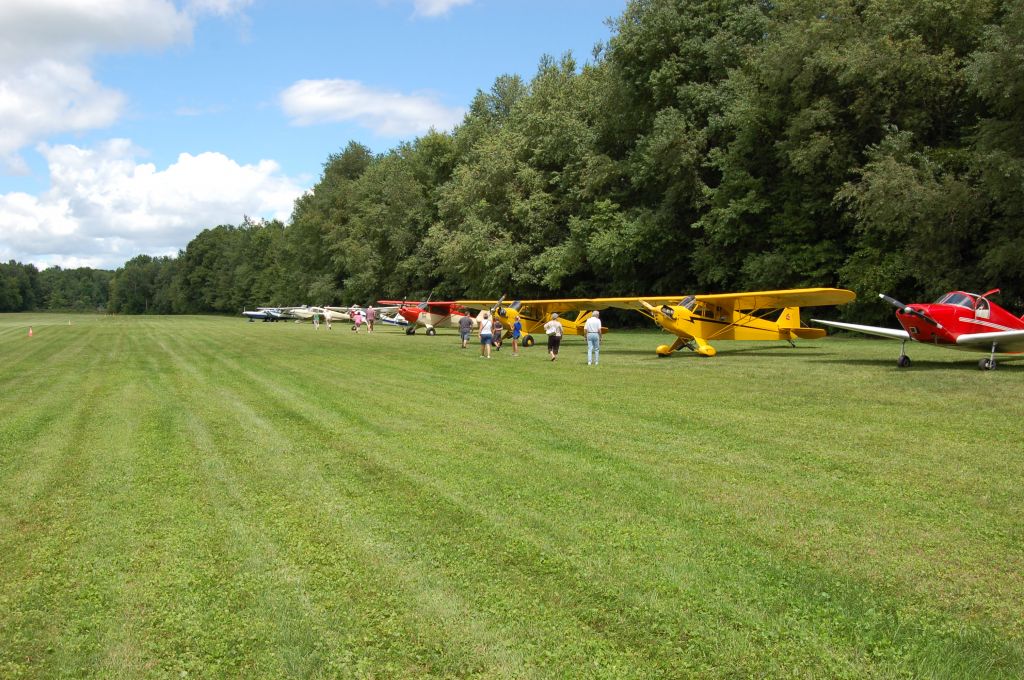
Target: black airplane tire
{"points": [[528, 341], [986, 364], [431, 331], [903, 361], [410, 331]]}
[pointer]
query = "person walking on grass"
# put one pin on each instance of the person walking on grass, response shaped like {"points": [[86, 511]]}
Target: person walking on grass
{"points": [[517, 331], [592, 328], [371, 316], [554, 330], [486, 329], [498, 330], [465, 329]]}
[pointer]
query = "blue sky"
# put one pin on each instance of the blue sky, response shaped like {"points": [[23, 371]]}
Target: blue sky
{"points": [[128, 126]]}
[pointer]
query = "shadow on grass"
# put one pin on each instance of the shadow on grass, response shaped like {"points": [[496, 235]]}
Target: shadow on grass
{"points": [[777, 351], [922, 364]]}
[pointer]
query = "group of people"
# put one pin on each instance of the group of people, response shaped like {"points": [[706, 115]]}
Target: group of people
{"points": [[356, 315], [491, 332]]}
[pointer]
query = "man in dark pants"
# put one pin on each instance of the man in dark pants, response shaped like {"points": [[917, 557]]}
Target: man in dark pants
{"points": [[554, 330]]}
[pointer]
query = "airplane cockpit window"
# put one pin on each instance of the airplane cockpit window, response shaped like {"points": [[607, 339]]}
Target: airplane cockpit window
{"points": [[959, 299], [689, 302]]}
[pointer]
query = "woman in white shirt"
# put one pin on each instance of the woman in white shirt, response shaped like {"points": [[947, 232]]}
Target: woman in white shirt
{"points": [[485, 335], [554, 330]]}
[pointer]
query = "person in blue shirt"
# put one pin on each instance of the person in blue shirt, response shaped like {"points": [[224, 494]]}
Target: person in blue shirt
{"points": [[517, 331]]}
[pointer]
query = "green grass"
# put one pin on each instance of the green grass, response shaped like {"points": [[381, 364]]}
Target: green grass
{"points": [[208, 497]]}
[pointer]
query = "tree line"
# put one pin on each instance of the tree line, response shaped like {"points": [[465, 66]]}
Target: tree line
{"points": [[708, 145], [24, 288]]}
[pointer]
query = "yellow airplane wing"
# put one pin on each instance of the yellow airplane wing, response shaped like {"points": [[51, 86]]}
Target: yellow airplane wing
{"points": [[539, 308], [778, 299], [543, 308], [477, 304], [768, 299]]}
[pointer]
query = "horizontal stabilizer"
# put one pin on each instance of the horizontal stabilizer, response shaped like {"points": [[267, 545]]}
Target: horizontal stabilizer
{"points": [[808, 333]]}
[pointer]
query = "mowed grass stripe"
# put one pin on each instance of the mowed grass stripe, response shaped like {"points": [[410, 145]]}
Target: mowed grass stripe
{"points": [[342, 505], [54, 595], [341, 530]]}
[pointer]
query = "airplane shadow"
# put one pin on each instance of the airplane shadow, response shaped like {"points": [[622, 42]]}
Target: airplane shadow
{"points": [[922, 364], [746, 351], [826, 356]]}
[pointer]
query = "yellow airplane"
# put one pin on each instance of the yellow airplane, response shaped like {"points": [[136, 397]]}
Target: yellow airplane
{"points": [[695, 320]]}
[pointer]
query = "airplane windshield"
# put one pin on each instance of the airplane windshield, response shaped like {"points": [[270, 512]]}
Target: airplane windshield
{"points": [[959, 299], [688, 302]]}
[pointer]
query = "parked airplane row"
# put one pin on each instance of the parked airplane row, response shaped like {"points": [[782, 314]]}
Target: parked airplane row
{"points": [[386, 315], [959, 320]]}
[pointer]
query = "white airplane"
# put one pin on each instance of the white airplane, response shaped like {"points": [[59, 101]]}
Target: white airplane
{"points": [[302, 313], [265, 314], [394, 320], [345, 313], [335, 314], [330, 314]]}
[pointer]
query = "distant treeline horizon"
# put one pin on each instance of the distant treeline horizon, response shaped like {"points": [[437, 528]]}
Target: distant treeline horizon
{"points": [[708, 146]]}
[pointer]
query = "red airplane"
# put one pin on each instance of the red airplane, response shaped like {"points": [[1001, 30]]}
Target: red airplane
{"points": [[958, 320], [429, 314]]}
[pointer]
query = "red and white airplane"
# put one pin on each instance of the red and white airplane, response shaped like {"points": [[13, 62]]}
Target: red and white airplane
{"points": [[957, 320], [429, 314]]}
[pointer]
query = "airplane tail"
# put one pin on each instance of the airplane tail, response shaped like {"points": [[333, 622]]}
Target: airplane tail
{"points": [[789, 321], [789, 318]]}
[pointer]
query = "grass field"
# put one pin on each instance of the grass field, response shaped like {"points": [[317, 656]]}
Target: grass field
{"points": [[206, 497]]}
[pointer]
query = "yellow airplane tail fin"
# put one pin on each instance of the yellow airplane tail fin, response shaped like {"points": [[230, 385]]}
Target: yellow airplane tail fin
{"points": [[789, 320]]}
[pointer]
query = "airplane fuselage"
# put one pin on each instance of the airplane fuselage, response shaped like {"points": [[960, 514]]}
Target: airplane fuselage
{"points": [[955, 314], [700, 323], [432, 316]]}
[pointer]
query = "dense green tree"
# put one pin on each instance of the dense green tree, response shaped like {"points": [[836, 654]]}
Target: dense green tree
{"points": [[995, 73], [81, 289], [133, 286], [20, 289], [321, 217]]}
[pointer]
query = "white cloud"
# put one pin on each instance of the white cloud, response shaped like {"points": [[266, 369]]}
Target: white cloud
{"points": [[73, 30], [435, 8], [104, 207], [49, 97], [389, 113], [46, 85]]}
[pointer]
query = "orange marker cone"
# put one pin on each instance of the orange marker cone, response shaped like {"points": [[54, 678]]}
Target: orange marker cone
{"points": [[30, 331]]}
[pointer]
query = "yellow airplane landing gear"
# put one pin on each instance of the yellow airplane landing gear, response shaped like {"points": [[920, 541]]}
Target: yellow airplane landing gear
{"points": [[696, 345]]}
